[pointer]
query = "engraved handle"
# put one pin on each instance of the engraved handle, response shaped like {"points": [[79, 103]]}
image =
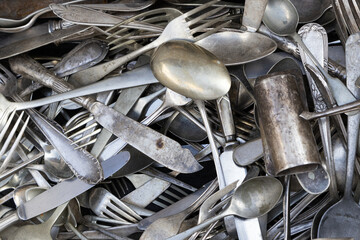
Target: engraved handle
{"points": [[28, 67]]}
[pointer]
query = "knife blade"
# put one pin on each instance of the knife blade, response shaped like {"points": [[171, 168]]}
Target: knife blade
{"points": [[155, 145], [61, 193]]}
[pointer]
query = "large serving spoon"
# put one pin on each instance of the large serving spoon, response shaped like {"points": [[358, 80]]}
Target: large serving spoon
{"points": [[251, 199], [282, 19], [347, 211], [182, 72], [310, 11]]}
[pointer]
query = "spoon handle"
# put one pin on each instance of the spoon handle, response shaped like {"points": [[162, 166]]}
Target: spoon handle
{"points": [[213, 147], [138, 77], [197, 228], [341, 94]]}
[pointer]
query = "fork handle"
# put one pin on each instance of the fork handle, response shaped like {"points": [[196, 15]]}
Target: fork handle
{"points": [[31, 69]]}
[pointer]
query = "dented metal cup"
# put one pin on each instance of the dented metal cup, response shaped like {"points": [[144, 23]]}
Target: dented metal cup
{"points": [[289, 138]]}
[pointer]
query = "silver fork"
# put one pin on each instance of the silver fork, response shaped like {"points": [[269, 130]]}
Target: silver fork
{"points": [[179, 28], [105, 204], [10, 136]]}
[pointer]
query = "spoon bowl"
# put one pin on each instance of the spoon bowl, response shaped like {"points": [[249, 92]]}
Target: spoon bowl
{"points": [[253, 198], [185, 68], [234, 48], [281, 17], [256, 196]]}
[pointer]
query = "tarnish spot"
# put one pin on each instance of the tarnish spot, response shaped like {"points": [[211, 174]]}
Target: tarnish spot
{"points": [[160, 143]]}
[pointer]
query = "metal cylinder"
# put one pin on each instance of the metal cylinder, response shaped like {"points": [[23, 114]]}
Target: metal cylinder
{"points": [[290, 139]]}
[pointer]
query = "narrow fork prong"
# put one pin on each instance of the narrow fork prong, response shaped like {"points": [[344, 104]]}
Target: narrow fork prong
{"points": [[205, 15], [14, 146], [86, 144], [125, 208], [198, 9], [11, 134], [208, 24], [116, 209], [159, 204], [118, 35], [128, 42], [167, 200], [107, 213], [208, 33], [93, 125], [6, 127], [172, 195], [153, 12], [80, 124], [87, 136], [179, 190]]}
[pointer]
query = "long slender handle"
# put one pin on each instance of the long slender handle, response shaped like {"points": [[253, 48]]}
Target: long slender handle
{"points": [[341, 94], [214, 149], [97, 72], [8, 220], [26, 66], [289, 46], [138, 77], [197, 228]]}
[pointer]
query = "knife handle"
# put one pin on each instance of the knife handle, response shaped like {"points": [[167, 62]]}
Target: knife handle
{"points": [[31, 69], [8, 220]]}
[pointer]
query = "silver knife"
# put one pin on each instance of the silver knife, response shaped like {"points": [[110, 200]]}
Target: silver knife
{"points": [[61, 193]]}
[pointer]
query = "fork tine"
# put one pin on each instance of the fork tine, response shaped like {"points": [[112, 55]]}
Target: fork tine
{"points": [[118, 211], [167, 200], [208, 33], [86, 136], [172, 195], [208, 23], [128, 42], [80, 124], [198, 9], [11, 134], [93, 125], [86, 144], [8, 121], [107, 213], [205, 15], [125, 208], [118, 33], [156, 11], [179, 190], [120, 38], [14, 146], [159, 204]]}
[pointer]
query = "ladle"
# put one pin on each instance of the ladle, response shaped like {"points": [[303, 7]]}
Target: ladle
{"points": [[282, 19], [347, 211], [251, 199]]}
